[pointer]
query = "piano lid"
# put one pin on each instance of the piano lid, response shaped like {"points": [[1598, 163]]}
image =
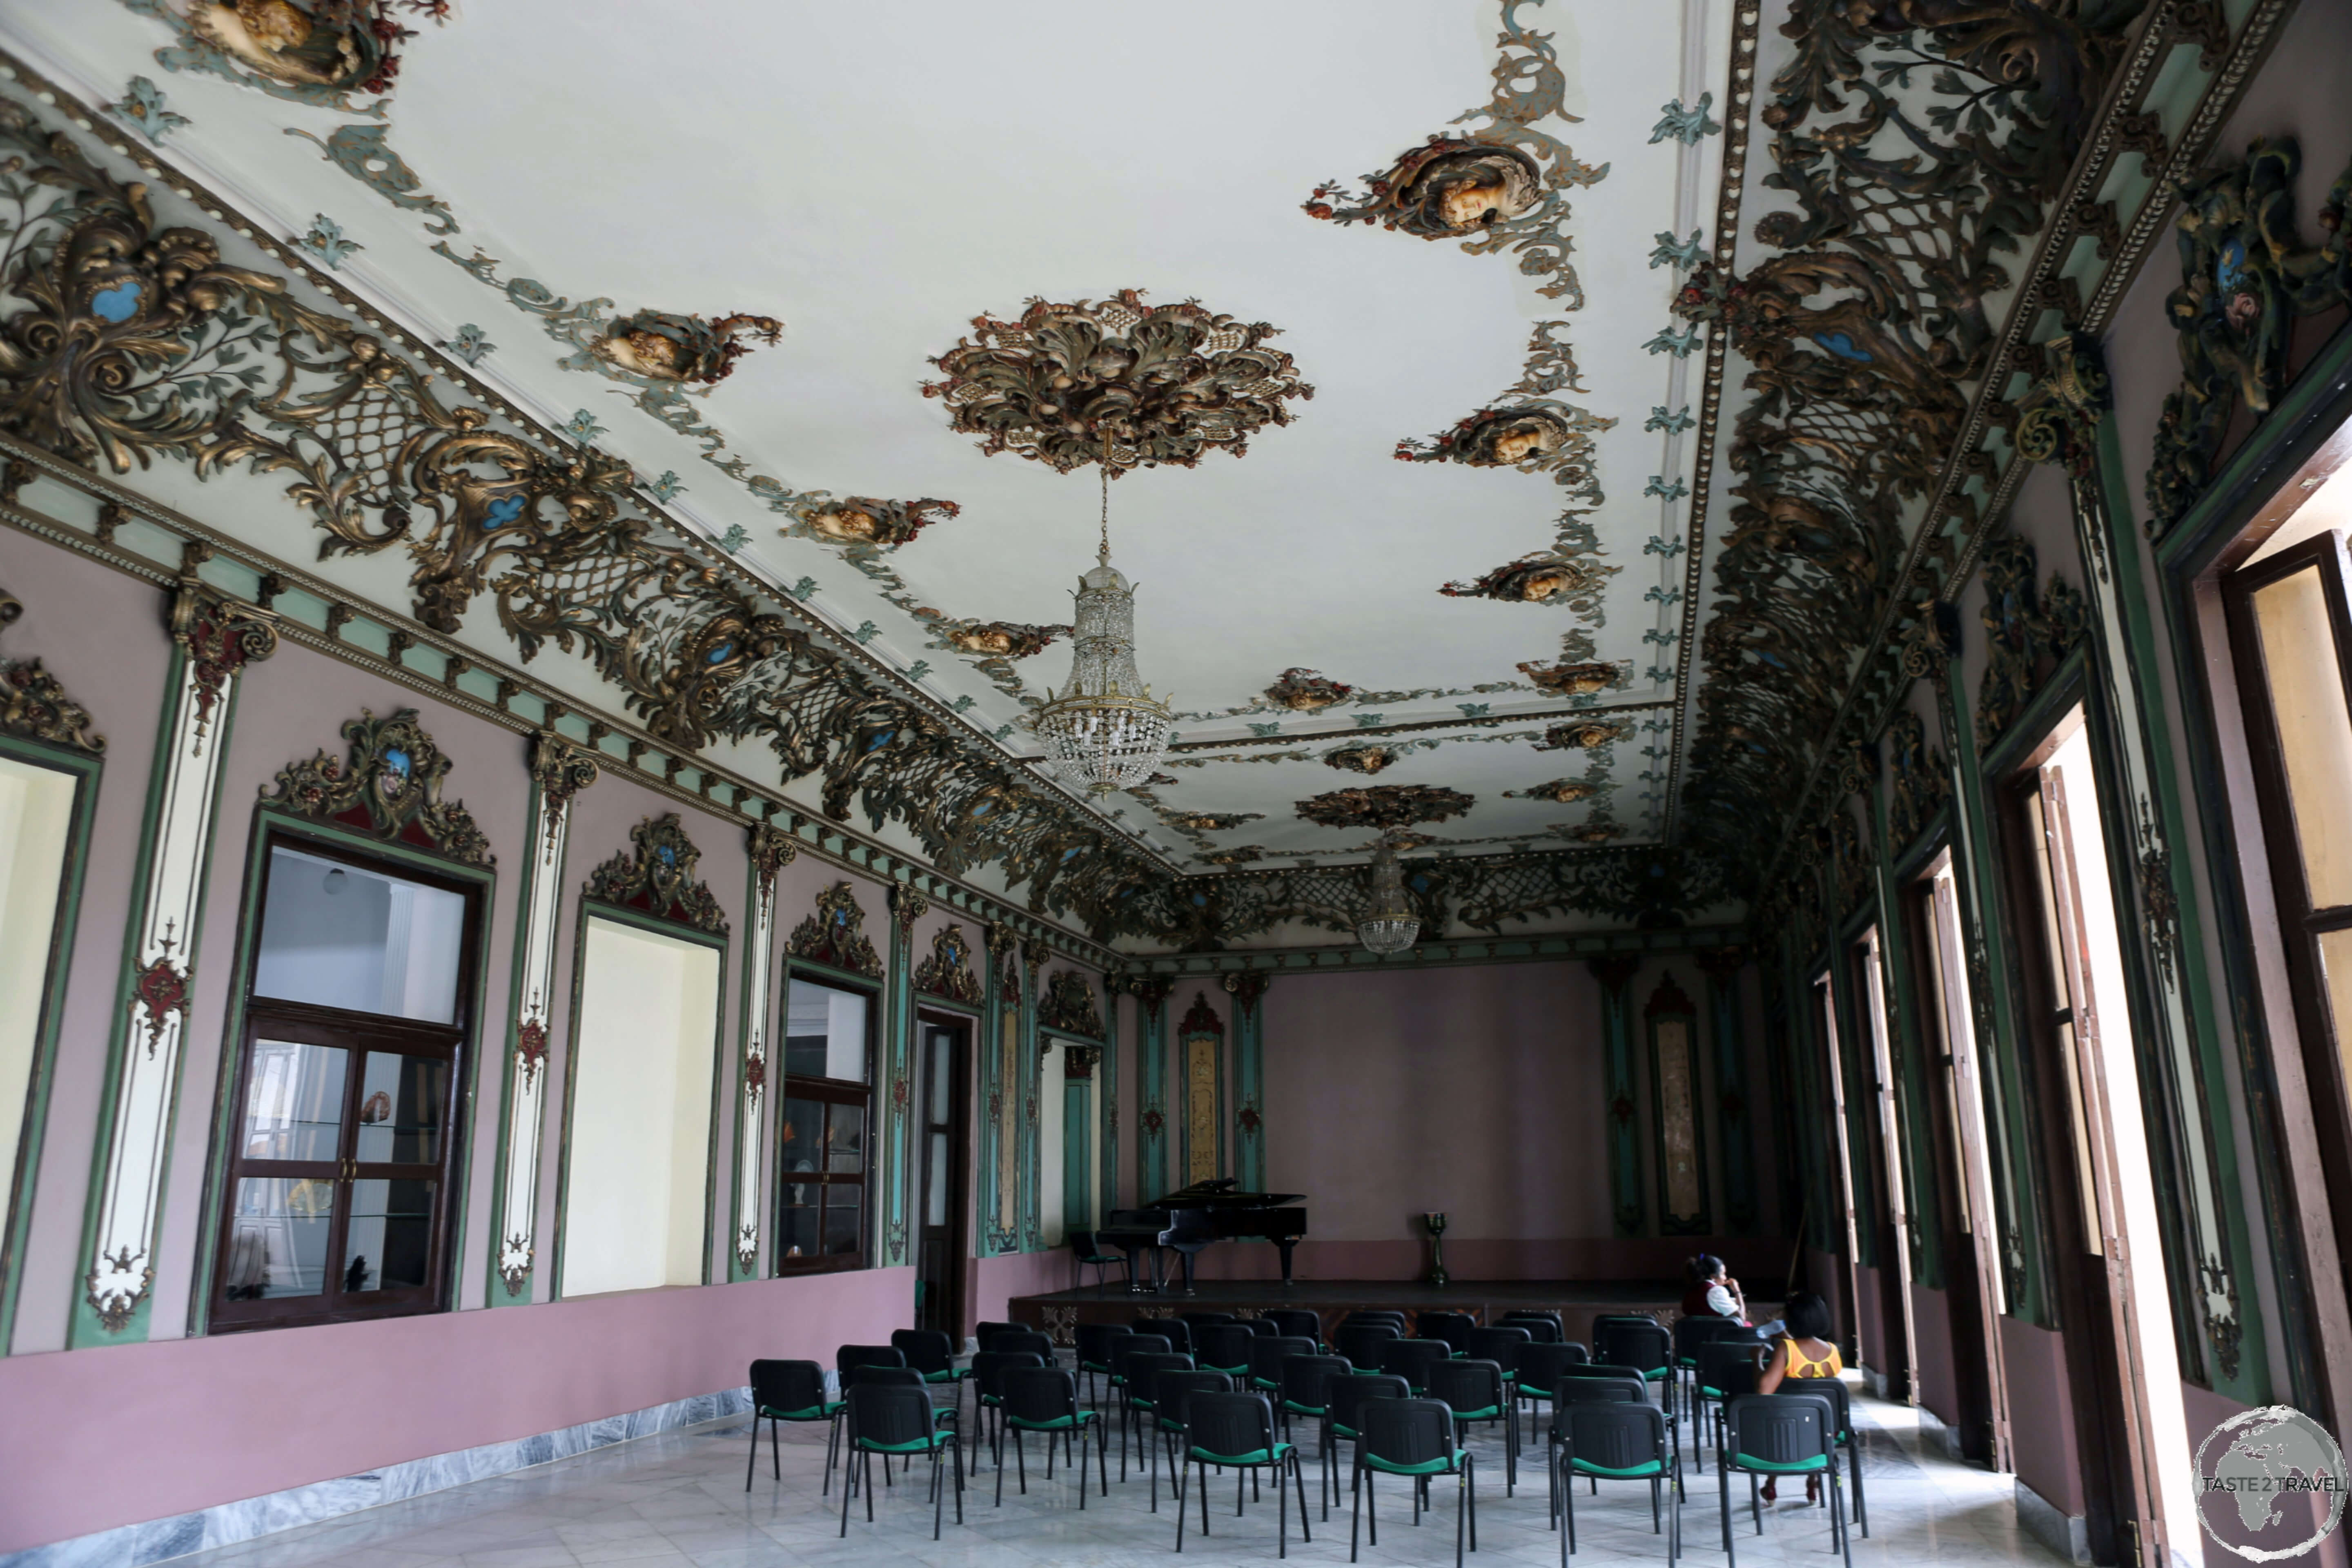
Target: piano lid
{"points": [[1223, 1192]]}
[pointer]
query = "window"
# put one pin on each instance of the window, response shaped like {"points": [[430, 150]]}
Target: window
{"points": [[637, 1178], [822, 1163], [36, 826], [338, 1194]]}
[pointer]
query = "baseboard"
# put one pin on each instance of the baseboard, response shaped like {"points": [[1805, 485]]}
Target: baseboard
{"points": [[134, 1545], [2067, 1534], [1935, 1433]]}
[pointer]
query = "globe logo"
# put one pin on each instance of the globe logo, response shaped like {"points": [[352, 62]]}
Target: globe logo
{"points": [[2269, 1484]]}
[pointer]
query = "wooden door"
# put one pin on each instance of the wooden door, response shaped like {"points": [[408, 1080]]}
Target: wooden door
{"points": [[945, 1156]]}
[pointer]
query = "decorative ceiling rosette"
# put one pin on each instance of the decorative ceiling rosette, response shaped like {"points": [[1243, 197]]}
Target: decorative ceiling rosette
{"points": [[1116, 382], [1535, 435], [947, 971], [1306, 691], [322, 52], [1240, 855], [390, 786], [1544, 577], [1582, 735], [835, 934], [1069, 1006], [1502, 187], [864, 523], [1575, 680], [658, 877], [1000, 639], [1364, 759], [1385, 805], [661, 345], [1559, 792]]}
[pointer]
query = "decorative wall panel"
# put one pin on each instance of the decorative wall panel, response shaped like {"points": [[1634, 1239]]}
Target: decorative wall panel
{"points": [[1733, 1120], [1622, 1109], [1247, 988], [1201, 1056], [772, 849], [558, 771], [1680, 1155], [1152, 991], [215, 642]]}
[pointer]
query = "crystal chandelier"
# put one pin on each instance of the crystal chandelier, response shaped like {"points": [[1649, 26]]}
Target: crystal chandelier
{"points": [[1106, 732], [1391, 925]]}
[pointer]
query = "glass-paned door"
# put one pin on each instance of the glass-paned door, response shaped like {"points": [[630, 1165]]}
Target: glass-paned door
{"points": [[946, 1159], [822, 1153]]}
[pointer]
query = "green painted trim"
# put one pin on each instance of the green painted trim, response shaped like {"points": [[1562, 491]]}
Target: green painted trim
{"points": [[585, 909], [493, 1292], [1734, 1106], [895, 1088], [1107, 1070], [73, 871], [271, 823], [1029, 1065], [1077, 1173], [1621, 1107], [736, 1272], [1151, 1098]]}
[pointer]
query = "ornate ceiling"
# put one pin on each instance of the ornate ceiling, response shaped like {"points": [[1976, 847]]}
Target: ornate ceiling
{"points": [[1505, 460]]}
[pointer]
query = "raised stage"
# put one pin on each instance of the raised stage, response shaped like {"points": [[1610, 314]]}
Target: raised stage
{"points": [[1577, 1301]]}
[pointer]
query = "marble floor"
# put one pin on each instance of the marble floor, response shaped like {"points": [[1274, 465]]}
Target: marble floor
{"points": [[679, 1499]]}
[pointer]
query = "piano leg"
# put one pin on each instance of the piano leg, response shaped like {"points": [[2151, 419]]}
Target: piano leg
{"points": [[1134, 1270], [1285, 1246], [1186, 1253]]}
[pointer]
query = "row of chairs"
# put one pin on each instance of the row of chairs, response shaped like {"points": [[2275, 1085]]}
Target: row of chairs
{"points": [[1233, 1403]]}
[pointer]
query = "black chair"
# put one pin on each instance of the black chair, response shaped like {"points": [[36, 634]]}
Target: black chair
{"points": [[1305, 1382], [1094, 1352], [988, 1370], [1540, 1366], [1602, 1319], [1143, 1397], [932, 1353], [1841, 1413], [1171, 1417], [1262, 1326], [983, 1332], [1376, 1315], [1780, 1435], [1412, 1438], [1572, 1390], [1175, 1330], [1690, 1333], [1045, 1399], [1453, 1328], [1224, 1347], [1643, 1346], [1343, 1402], [1412, 1359], [889, 1418], [1503, 1346], [1202, 1320], [1235, 1431], [1726, 1369], [1028, 1340], [791, 1391], [1296, 1324], [1617, 1442], [1544, 1328], [1362, 1342], [849, 1356], [1134, 1346], [1084, 1247], [1267, 1357], [1476, 1392]]}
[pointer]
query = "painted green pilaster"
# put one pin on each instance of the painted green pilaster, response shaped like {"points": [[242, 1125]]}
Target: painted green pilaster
{"points": [[1936, 657], [1734, 1135], [1152, 991], [1106, 1071], [907, 906], [1624, 1112], [1004, 996], [1031, 1062], [1899, 977], [1077, 1171], [215, 639], [1247, 988], [771, 849]]}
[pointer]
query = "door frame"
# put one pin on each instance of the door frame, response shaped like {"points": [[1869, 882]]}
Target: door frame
{"points": [[955, 1289]]}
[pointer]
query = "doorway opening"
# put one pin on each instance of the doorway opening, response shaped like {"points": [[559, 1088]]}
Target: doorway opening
{"points": [[943, 1241]]}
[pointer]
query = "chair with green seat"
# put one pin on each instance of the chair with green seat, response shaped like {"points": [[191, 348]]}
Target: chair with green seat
{"points": [[1296, 1324], [1088, 1251], [1726, 1369], [1224, 1347], [1646, 1347], [1569, 1391], [1142, 1402], [1343, 1402], [1414, 1438], [1262, 1326], [1094, 1342], [1267, 1357], [988, 1370], [1780, 1434], [1690, 1334], [1045, 1399], [1453, 1328], [1197, 1321], [1617, 1441], [849, 1356], [1171, 1393], [1475, 1391], [1503, 1346], [1540, 1366], [898, 1418], [1841, 1414], [1236, 1432], [983, 1333], [1121, 1352], [1175, 1330], [791, 1391], [1544, 1328], [1304, 1379], [1412, 1359], [1362, 1342], [1028, 1340], [932, 1353], [1639, 1377]]}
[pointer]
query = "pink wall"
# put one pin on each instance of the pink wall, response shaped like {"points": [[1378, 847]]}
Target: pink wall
{"points": [[2041, 1413], [206, 1421], [996, 1281], [1939, 1373]]}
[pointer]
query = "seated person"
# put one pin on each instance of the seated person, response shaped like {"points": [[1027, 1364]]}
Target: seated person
{"points": [[1805, 1351]]}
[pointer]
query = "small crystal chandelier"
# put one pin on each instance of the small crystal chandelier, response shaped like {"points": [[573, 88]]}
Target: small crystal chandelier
{"points": [[1391, 925], [1106, 732]]}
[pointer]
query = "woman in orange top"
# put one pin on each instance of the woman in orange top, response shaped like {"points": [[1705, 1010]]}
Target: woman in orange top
{"points": [[1806, 1350]]}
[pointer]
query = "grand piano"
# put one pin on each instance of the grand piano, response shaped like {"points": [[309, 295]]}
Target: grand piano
{"points": [[1188, 1220]]}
